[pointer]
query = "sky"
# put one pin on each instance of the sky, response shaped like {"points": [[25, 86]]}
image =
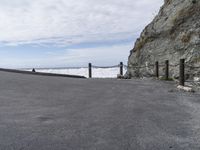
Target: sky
{"points": [[71, 33]]}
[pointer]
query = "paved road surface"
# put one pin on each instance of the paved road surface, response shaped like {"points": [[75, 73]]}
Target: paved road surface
{"points": [[54, 113]]}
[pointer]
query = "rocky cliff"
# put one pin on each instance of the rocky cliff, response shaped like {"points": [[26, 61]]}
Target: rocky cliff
{"points": [[173, 34]]}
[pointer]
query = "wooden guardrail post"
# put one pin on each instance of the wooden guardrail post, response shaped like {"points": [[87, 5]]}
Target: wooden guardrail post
{"points": [[33, 70], [121, 68], [167, 70], [90, 70], [182, 72], [157, 69]]}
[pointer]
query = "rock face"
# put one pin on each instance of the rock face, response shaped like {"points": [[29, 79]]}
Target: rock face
{"points": [[173, 34]]}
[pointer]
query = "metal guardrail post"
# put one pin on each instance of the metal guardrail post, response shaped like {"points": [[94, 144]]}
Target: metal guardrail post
{"points": [[121, 68], [157, 69], [167, 70], [90, 70], [182, 72]]}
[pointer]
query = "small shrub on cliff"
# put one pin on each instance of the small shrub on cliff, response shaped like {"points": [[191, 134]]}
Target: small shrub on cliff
{"points": [[178, 18], [181, 17], [184, 14], [196, 60], [186, 38], [140, 44], [194, 1], [167, 2]]}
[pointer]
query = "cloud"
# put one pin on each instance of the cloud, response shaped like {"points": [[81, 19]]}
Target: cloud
{"points": [[68, 22], [53, 33], [105, 55]]}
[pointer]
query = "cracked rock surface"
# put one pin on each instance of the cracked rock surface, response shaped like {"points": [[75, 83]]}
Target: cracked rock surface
{"points": [[173, 34]]}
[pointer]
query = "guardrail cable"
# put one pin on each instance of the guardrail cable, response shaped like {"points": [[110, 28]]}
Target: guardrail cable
{"points": [[138, 67], [151, 65], [173, 65], [105, 67], [194, 67]]}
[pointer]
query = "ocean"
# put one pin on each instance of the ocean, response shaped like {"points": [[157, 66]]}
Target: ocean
{"points": [[96, 72]]}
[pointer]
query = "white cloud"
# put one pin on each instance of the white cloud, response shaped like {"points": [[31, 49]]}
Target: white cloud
{"points": [[61, 23], [27, 21], [72, 58]]}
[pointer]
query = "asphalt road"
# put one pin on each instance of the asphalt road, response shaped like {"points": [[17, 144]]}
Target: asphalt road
{"points": [[56, 113]]}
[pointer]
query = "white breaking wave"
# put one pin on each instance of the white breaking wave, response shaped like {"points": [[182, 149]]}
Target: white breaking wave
{"points": [[96, 72]]}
